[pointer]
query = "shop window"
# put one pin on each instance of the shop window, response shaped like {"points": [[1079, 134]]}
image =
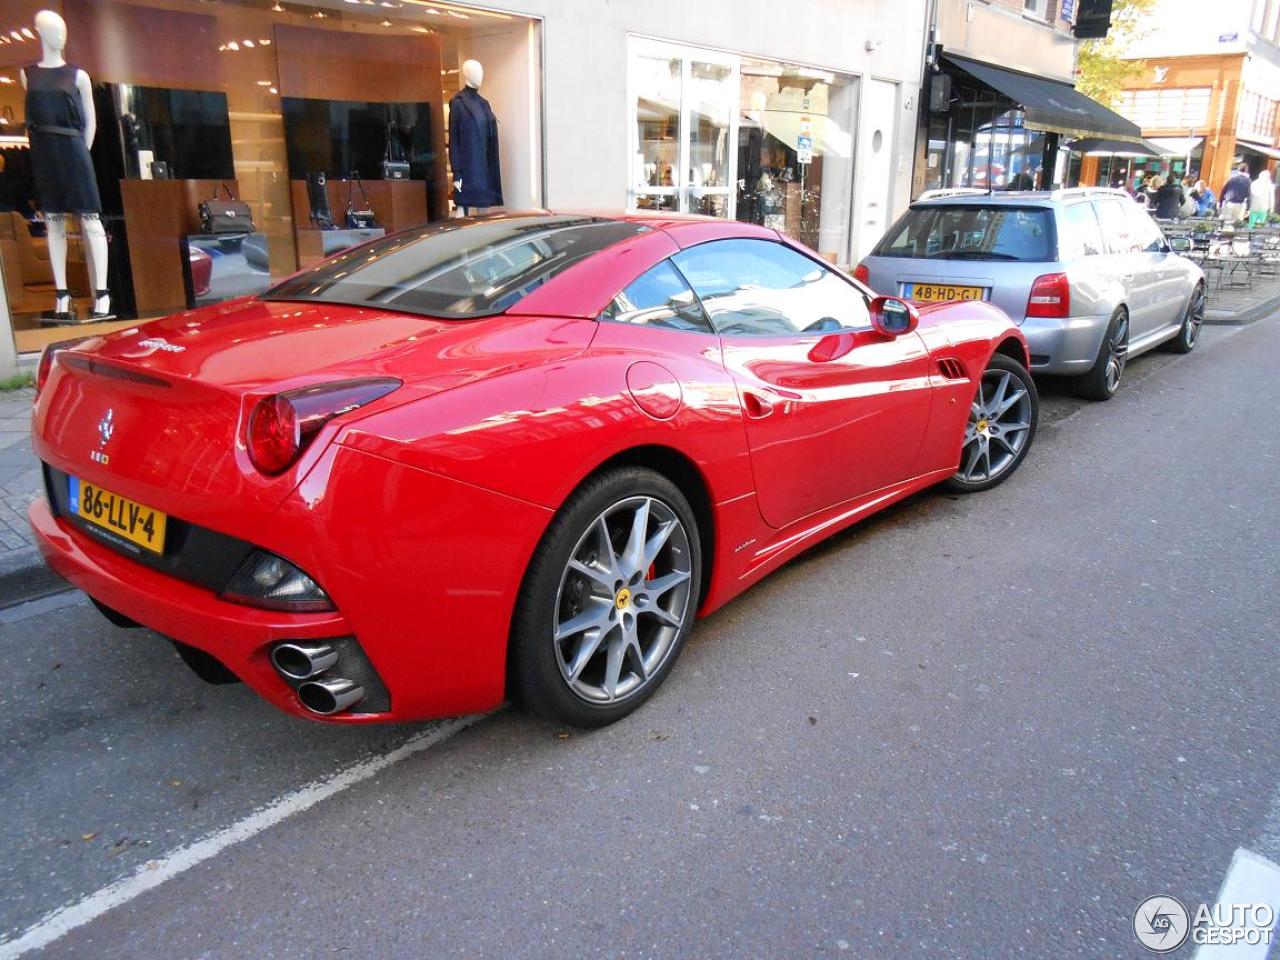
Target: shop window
{"points": [[1172, 108], [331, 124], [760, 141]]}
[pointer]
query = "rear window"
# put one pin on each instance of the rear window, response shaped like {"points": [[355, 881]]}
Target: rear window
{"points": [[456, 269], [971, 232]]}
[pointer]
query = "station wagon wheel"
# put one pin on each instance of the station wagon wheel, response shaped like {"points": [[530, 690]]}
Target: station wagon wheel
{"points": [[1189, 332], [1103, 379], [1002, 423], [609, 599]]}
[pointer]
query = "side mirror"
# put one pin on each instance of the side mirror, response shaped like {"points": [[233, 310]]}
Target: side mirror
{"points": [[1180, 244], [892, 317]]}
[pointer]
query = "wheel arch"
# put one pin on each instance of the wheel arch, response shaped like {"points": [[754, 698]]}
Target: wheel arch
{"points": [[684, 473], [1015, 350]]}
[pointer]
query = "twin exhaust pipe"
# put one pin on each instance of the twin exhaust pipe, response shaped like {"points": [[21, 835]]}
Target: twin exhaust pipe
{"points": [[306, 662]]}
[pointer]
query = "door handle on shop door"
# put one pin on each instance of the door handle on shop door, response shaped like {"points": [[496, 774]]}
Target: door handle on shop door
{"points": [[756, 407]]}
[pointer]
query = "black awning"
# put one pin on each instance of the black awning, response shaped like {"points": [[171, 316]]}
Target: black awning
{"points": [[1049, 104], [1101, 147]]}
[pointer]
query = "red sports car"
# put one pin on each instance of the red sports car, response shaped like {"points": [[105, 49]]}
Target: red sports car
{"points": [[506, 457]]}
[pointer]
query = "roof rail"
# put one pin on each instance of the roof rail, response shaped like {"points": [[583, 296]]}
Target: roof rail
{"points": [[1066, 193], [953, 192]]}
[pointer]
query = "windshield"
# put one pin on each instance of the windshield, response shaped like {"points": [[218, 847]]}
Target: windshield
{"points": [[456, 269], [971, 232]]}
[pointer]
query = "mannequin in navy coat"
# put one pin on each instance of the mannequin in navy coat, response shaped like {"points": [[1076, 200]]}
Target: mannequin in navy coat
{"points": [[473, 144]]}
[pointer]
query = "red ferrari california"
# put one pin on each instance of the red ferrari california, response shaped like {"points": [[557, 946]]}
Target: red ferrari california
{"points": [[507, 457]]}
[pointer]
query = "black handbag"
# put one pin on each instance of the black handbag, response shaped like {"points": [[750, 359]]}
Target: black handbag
{"points": [[394, 166], [225, 216], [361, 218]]}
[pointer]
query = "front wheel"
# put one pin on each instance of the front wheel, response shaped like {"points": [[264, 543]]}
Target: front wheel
{"points": [[1189, 333], [1002, 424], [609, 599]]}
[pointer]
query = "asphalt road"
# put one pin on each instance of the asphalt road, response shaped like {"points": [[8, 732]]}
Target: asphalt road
{"points": [[978, 726]]}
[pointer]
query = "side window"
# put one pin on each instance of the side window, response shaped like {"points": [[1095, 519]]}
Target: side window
{"points": [[1146, 232], [659, 297], [753, 288], [1081, 236], [1116, 226]]}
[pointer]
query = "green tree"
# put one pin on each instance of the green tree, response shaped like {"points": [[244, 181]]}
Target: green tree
{"points": [[1101, 69]]}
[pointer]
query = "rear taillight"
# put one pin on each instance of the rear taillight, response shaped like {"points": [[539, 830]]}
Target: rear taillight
{"points": [[862, 274], [1050, 296], [45, 366], [281, 426]]}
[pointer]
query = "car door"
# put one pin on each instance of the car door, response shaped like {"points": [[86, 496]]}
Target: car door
{"points": [[1168, 293], [832, 409], [1126, 264]]}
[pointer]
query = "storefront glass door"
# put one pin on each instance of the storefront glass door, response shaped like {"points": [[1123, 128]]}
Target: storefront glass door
{"points": [[684, 129]]}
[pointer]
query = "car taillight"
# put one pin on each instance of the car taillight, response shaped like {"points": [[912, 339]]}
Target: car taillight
{"points": [[1050, 296], [282, 425], [862, 274], [45, 366]]}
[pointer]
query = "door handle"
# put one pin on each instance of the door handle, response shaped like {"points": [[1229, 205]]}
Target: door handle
{"points": [[756, 407]]}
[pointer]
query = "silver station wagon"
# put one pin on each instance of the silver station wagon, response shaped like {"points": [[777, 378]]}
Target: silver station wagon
{"points": [[1086, 274]]}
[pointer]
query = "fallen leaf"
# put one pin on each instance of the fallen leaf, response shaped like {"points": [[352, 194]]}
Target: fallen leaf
{"points": [[813, 721], [88, 836]]}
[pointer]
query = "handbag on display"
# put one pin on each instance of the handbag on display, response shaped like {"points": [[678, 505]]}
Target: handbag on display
{"points": [[394, 166], [362, 217], [225, 216], [318, 199]]}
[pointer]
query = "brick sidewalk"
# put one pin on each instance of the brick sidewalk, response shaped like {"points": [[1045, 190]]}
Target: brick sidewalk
{"points": [[20, 475], [19, 472]]}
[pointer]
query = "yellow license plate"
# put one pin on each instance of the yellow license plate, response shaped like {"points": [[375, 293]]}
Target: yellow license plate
{"points": [[934, 292], [117, 515]]}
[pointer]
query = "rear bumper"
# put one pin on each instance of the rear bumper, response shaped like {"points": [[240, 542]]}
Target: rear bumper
{"points": [[1063, 347], [238, 636], [424, 572]]}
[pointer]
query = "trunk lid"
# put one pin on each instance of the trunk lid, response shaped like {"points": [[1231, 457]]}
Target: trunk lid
{"points": [[156, 413]]}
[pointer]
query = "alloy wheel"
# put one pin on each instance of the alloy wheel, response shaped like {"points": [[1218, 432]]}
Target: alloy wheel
{"points": [[998, 429], [1117, 353], [1195, 317], [623, 599]]}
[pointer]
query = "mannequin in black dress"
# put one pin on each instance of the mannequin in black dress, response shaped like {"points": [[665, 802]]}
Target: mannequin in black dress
{"points": [[61, 124]]}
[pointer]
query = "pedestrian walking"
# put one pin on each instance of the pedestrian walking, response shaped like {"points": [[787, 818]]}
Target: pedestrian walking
{"points": [[1235, 194], [1262, 199]]}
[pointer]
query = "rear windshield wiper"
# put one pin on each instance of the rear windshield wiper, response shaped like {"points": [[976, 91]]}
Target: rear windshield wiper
{"points": [[974, 255]]}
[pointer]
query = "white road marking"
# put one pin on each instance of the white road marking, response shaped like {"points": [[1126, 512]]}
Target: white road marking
{"points": [[60, 922], [1251, 879]]}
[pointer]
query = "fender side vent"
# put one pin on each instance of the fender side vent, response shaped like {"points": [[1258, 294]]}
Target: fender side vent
{"points": [[952, 368]]}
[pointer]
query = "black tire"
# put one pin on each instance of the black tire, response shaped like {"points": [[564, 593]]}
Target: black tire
{"points": [[1100, 383], [998, 366], [536, 678], [1189, 333]]}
